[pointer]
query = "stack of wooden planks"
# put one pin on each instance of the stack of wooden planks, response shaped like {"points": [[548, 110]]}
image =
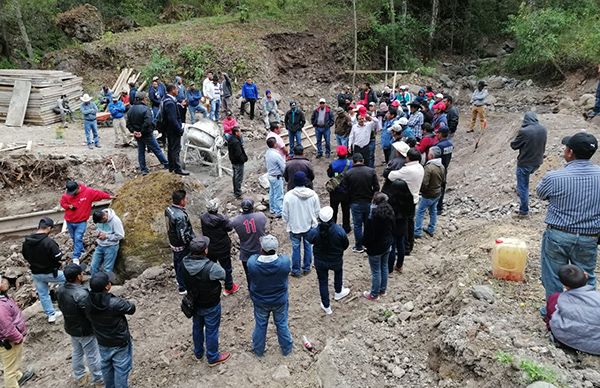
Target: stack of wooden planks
{"points": [[126, 76], [46, 88]]}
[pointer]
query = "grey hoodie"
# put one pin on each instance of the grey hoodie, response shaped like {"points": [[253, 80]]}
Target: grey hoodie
{"points": [[194, 266], [530, 141], [113, 228], [300, 209]]}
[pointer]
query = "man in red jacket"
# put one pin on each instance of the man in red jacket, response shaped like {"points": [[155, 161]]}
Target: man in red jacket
{"points": [[77, 202]]}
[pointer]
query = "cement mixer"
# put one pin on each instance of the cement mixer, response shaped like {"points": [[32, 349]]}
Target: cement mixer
{"points": [[203, 143]]}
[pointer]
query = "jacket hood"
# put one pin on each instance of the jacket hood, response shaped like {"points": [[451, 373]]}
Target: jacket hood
{"points": [[100, 300], [111, 214], [35, 238], [436, 161], [195, 264], [529, 119], [303, 192], [211, 219]]}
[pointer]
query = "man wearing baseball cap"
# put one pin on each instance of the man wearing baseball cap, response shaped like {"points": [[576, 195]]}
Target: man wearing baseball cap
{"points": [[340, 196], [573, 218], [322, 120], [294, 122], [117, 112]]}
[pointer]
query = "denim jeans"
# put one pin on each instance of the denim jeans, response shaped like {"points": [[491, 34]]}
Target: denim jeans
{"points": [[150, 143], [523, 174], [76, 231], [280, 318], [41, 281], [341, 140], [155, 110], [326, 134], [177, 265], [91, 132], [424, 205], [294, 138], [198, 108], [379, 273], [597, 104], [88, 347], [323, 269], [237, 177], [116, 365], [215, 105], [560, 248], [297, 239], [371, 161], [206, 322], [276, 195], [104, 258], [396, 258], [360, 213]]}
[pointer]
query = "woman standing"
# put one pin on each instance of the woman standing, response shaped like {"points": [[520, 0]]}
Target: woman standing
{"points": [[401, 200]]}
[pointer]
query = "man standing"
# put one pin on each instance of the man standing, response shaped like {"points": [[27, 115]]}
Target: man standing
{"points": [[156, 93], [478, 103], [249, 95], [431, 188], [107, 313], [139, 123], [43, 255], [12, 333], [194, 96], [343, 126], [90, 125], [270, 113], [180, 88], [227, 93], [322, 120], [180, 233], [447, 147], [215, 102], [250, 226], [109, 233], [237, 156], [361, 183], [294, 122], [298, 163], [531, 143], [596, 110], [573, 217], [72, 299], [275, 168], [202, 279], [451, 114], [345, 99], [340, 196], [216, 226], [360, 137], [269, 292], [300, 211], [171, 123], [77, 202], [275, 131], [207, 83], [117, 112]]}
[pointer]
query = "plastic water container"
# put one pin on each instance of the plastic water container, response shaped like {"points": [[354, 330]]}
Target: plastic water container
{"points": [[509, 259]]}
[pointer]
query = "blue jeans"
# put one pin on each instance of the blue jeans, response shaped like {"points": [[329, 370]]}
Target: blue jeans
{"points": [[215, 105], [323, 268], [597, 104], [41, 281], [104, 258], [397, 253], [342, 140], [297, 239], [561, 248], [206, 322], [178, 266], [198, 108], [76, 231], [523, 186], [116, 365], [150, 143], [155, 110], [379, 273], [275, 195], [371, 161], [261, 319], [323, 133], [88, 347], [360, 213], [294, 138], [91, 129], [424, 205]]}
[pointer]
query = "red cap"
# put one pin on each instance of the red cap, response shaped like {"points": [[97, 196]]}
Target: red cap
{"points": [[341, 150], [440, 105], [395, 103], [429, 94], [362, 111]]}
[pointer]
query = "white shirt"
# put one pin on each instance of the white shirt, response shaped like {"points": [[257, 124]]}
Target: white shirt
{"points": [[209, 91], [205, 84], [361, 136], [412, 173]]}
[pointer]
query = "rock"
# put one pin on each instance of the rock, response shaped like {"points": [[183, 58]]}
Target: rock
{"points": [[153, 272], [587, 101], [484, 293], [261, 208], [263, 180], [566, 104], [490, 100], [83, 23], [281, 373], [398, 372], [119, 23], [541, 384], [592, 375], [495, 83], [446, 81], [408, 306], [404, 315]]}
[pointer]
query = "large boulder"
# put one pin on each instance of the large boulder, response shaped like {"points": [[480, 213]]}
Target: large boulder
{"points": [[587, 101], [83, 23], [566, 104]]}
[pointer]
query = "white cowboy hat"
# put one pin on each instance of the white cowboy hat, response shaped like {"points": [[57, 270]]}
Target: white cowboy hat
{"points": [[86, 98]]}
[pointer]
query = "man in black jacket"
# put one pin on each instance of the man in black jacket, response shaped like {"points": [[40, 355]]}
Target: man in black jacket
{"points": [[237, 156], [107, 313], [180, 233], [294, 122], [43, 255], [171, 124], [203, 280], [72, 299], [345, 99], [451, 114], [361, 183], [298, 163], [140, 124], [216, 227]]}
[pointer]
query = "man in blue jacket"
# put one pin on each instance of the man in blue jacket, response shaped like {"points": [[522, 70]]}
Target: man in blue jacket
{"points": [[322, 120], [156, 93], [90, 125], [194, 96], [171, 125], [249, 95], [117, 111], [268, 273]]}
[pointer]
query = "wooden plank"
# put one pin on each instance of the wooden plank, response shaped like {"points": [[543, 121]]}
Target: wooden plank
{"points": [[376, 71], [18, 104]]}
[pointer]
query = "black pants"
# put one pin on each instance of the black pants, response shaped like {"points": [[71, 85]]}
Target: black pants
{"points": [[337, 199], [173, 151], [323, 269], [238, 178], [386, 154], [410, 235], [440, 204], [245, 265], [364, 151], [225, 262], [396, 257], [252, 102]]}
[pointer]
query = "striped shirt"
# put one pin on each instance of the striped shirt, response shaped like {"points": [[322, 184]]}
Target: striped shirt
{"points": [[573, 194]]}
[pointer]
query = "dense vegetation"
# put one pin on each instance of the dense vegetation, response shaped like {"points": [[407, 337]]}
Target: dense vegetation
{"points": [[551, 36]]}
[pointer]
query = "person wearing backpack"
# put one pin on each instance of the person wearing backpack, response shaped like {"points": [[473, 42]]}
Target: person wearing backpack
{"points": [[337, 193]]}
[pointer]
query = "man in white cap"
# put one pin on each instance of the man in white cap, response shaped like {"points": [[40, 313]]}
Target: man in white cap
{"points": [[117, 112], [322, 120], [400, 150], [90, 125]]}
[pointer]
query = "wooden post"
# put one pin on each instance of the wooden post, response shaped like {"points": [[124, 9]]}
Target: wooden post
{"points": [[355, 45], [386, 65], [394, 82]]}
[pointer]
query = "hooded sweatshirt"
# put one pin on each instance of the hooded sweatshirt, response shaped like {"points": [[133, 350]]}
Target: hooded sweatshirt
{"points": [[215, 226], [434, 174], [82, 203], [113, 228], [107, 313], [42, 253], [202, 280], [12, 324], [269, 279], [530, 141], [300, 209]]}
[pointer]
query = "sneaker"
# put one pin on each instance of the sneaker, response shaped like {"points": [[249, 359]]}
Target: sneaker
{"points": [[430, 234], [52, 318], [342, 294], [382, 294], [399, 269], [27, 375], [417, 236], [367, 295], [358, 250], [182, 172], [75, 261], [296, 275], [327, 310], [182, 292], [98, 146], [235, 288], [222, 358], [91, 146], [305, 273]]}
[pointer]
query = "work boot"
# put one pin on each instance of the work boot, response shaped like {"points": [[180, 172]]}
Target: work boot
{"points": [[222, 358], [27, 375]]}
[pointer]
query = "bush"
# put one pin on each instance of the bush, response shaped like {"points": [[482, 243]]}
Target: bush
{"points": [[195, 60], [159, 65]]}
